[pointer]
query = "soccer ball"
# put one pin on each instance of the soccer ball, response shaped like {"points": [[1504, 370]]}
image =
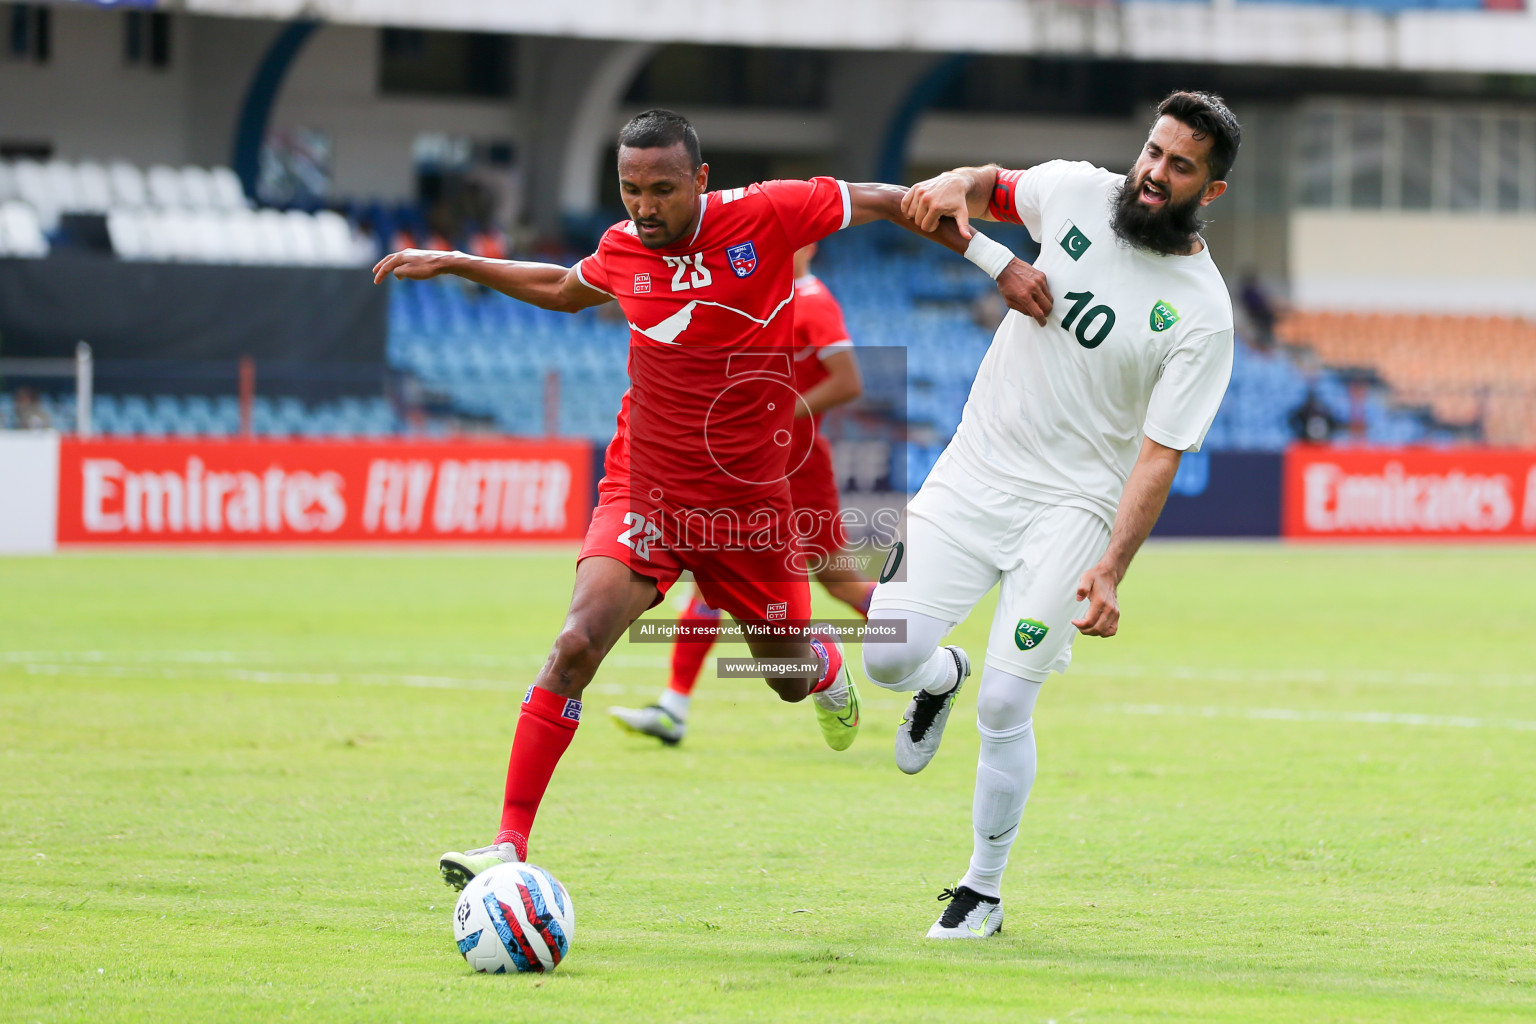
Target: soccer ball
{"points": [[514, 917]]}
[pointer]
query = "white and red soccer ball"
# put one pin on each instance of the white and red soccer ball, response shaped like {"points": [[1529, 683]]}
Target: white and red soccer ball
{"points": [[514, 917]]}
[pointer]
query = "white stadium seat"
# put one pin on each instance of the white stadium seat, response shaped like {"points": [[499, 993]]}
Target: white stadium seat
{"points": [[241, 243], [128, 188], [220, 244], [61, 179], [93, 188], [165, 187], [272, 238], [228, 193], [300, 234], [186, 214], [34, 187], [197, 188], [334, 236], [20, 232], [180, 235], [125, 229], [155, 242]]}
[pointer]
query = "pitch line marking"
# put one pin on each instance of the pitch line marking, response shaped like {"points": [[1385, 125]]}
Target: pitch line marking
{"points": [[1342, 717], [127, 658], [1385, 677]]}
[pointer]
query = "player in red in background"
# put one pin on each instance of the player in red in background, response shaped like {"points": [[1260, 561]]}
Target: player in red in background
{"points": [[826, 376], [696, 472]]}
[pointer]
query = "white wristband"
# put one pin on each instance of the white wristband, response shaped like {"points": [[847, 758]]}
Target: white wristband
{"points": [[988, 255]]}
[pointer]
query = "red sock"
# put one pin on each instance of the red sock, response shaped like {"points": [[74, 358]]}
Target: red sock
{"points": [[701, 623], [833, 656], [545, 727]]}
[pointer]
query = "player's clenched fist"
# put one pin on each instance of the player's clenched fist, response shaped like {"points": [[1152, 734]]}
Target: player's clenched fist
{"points": [[412, 264], [928, 202], [1024, 289]]}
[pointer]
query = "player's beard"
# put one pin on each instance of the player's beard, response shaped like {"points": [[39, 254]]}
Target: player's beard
{"points": [[1169, 229]]}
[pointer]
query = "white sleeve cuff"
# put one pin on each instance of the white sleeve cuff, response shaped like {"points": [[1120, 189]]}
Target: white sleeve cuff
{"points": [[583, 278]]}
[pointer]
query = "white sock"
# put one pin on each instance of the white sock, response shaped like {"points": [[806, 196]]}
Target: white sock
{"points": [[1005, 771], [951, 677], [835, 696], [937, 674], [675, 704]]}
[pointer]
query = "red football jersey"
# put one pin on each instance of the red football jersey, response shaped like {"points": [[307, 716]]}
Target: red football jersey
{"points": [[819, 331], [706, 420]]}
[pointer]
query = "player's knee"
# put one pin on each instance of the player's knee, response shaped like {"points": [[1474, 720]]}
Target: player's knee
{"points": [[1000, 708], [888, 664], [578, 650]]}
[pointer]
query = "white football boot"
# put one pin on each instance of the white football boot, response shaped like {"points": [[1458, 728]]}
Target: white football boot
{"points": [[970, 915], [922, 727], [651, 721]]}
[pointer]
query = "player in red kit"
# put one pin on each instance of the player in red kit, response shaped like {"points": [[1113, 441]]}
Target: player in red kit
{"points": [[826, 376], [696, 472]]}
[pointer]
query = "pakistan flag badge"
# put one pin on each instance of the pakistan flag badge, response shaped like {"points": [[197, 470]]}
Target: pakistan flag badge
{"points": [[1163, 316], [1029, 634], [1073, 240]]}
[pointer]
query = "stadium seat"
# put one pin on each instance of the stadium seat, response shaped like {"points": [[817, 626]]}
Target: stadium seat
{"points": [[62, 185], [128, 185], [93, 188], [34, 186], [197, 188], [21, 234], [333, 238], [164, 185], [226, 190], [299, 239]]}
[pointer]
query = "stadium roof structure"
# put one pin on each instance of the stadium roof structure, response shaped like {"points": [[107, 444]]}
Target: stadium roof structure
{"points": [[1377, 34]]}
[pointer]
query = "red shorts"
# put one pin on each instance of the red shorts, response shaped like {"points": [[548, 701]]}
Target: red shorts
{"points": [[755, 583], [813, 491]]}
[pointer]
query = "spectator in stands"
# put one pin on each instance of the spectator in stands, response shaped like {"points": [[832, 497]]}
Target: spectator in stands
{"points": [[29, 412], [1311, 421], [1261, 309]]}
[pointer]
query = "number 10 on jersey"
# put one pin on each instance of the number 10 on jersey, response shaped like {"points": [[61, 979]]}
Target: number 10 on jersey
{"points": [[1095, 325]]}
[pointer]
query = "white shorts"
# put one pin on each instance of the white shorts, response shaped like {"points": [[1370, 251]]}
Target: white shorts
{"points": [[962, 536]]}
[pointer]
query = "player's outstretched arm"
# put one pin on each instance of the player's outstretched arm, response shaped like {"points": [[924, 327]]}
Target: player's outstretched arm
{"points": [[1020, 284], [545, 285], [1140, 504], [962, 193]]}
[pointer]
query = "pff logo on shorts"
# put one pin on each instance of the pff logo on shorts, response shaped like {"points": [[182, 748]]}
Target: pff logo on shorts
{"points": [[1029, 634]]}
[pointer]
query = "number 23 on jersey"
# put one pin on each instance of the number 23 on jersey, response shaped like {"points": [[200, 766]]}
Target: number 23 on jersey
{"points": [[693, 266]]}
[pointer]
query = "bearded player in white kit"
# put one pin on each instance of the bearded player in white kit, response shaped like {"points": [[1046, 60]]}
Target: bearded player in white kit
{"points": [[1069, 442]]}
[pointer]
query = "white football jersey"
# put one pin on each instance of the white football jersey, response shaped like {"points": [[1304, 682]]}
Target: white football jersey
{"points": [[1136, 345]]}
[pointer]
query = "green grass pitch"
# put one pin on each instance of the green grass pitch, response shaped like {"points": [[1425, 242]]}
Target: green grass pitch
{"points": [[1299, 786]]}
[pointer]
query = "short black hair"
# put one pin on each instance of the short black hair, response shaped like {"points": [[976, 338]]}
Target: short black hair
{"points": [[661, 129], [1207, 114]]}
